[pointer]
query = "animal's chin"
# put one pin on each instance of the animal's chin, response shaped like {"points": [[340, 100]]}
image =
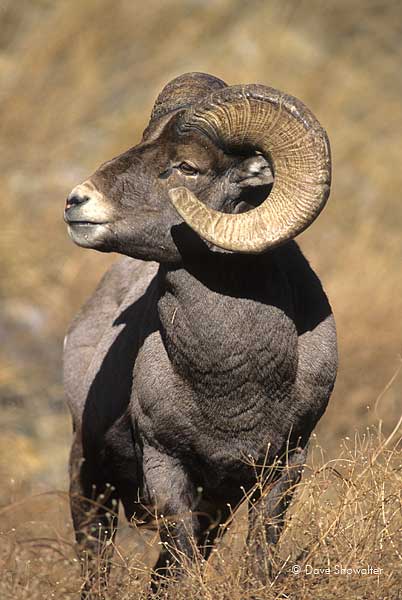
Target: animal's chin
{"points": [[89, 235]]}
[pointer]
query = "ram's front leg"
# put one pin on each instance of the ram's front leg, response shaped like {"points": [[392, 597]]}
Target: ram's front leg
{"points": [[267, 514], [171, 496], [94, 506]]}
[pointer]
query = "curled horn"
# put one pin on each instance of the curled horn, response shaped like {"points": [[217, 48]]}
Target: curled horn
{"points": [[258, 118]]}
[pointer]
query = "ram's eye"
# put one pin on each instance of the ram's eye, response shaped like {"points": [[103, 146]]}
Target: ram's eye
{"points": [[187, 169]]}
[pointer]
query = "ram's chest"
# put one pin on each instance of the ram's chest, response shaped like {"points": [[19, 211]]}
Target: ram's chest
{"points": [[217, 392]]}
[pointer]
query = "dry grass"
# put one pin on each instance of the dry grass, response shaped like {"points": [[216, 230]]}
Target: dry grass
{"points": [[77, 85], [342, 540]]}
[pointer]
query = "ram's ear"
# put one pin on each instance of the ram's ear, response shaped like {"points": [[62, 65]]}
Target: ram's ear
{"points": [[252, 172]]}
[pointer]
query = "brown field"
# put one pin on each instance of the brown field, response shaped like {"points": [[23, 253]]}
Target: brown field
{"points": [[78, 80]]}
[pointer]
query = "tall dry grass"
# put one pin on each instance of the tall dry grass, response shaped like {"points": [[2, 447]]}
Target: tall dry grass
{"points": [[342, 540]]}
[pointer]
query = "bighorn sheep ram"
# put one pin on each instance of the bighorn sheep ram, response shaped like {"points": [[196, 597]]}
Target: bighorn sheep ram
{"points": [[210, 349]]}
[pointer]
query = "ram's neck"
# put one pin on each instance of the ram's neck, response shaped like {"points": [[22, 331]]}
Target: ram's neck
{"points": [[205, 307]]}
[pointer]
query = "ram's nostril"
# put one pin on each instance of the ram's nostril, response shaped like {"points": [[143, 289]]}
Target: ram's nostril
{"points": [[75, 199]]}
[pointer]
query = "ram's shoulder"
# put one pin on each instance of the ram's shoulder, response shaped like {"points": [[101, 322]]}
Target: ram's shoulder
{"points": [[96, 326], [124, 283]]}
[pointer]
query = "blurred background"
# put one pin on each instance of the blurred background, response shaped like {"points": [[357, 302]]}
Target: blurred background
{"points": [[77, 84]]}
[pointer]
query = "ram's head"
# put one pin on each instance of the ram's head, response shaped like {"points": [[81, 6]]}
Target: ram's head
{"points": [[246, 167]]}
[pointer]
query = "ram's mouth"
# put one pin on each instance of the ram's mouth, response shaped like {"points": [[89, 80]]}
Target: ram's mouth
{"points": [[74, 222], [82, 222]]}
